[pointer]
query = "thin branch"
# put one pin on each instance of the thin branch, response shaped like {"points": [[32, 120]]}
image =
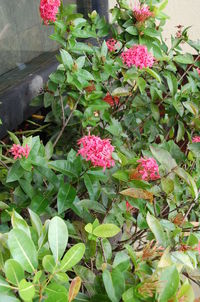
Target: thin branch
{"points": [[67, 121]]}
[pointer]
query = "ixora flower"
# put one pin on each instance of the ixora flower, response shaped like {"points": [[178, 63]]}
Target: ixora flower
{"points": [[198, 70], [139, 56], [112, 101], [97, 150], [148, 168], [142, 13], [19, 151], [49, 10], [112, 45], [196, 139]]}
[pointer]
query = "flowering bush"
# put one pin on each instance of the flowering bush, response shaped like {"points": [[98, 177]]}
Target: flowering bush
{"points": [[112, 185]]}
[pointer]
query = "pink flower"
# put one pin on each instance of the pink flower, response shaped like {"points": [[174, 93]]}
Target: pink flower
{"points": [[198, 70], [196, 139], [142, 13], [97, 150], [139, 56], [49, 10], [19, 151], [112, 101], [148, 168], [112, 44]]}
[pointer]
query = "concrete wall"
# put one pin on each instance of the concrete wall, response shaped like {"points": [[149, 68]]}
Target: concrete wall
{"points": [[22, 35], [184, 12]]}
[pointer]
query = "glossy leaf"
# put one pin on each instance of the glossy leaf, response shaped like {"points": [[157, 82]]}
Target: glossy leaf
{"points": [[23, 250], [26, 290], [57, 237], [106, 230], [170, 280], [73, 256], [157, 229], [13, 271]]}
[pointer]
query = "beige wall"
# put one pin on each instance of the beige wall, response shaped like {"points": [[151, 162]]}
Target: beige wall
{"points": [[184, 12]]}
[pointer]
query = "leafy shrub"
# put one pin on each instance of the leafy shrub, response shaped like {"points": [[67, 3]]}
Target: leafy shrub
{"points": [[113, 195]]}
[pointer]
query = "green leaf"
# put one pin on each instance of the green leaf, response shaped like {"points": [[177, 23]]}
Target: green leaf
{"points": [[65, 198], [167, 185], [13, 271], [181, 131], [8, 297], [164, 157], [186, 292], [132, 30], [172, 82], [91, 205], [23, 250], [106, 230], [155, 112], [72, 257], [184, 59], [92, 186], [114, 284], [121, 175], [63, 167], [153, 74], [14, 138], [188, 179], [56, 293], [19, 223], [141, 84], [121, 261], [4, 286], [26, 290], [170, 280], [104, 49], [121, 91], [156, 229], [57, 237], [48, 263], [130, 296], [195, 148], [15, 173], [36, 222], [191, 107], [66, 59], [80, 62], [81, 48]]}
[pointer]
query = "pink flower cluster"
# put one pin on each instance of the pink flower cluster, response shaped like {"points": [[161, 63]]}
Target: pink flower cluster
{"points": [[139, 56], [142, 13], [196, 139], [48, 10], [148, 168], [112, 44], [19, 151], [97, 150], [198, 70]]}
